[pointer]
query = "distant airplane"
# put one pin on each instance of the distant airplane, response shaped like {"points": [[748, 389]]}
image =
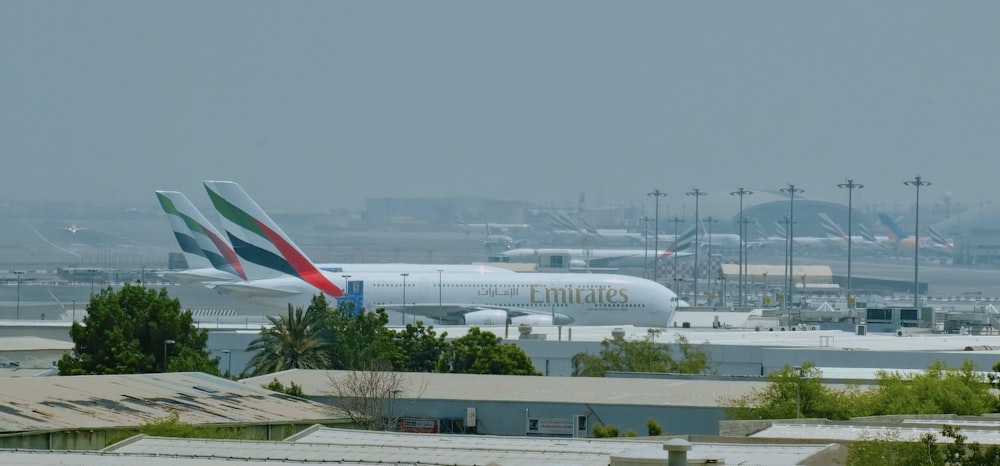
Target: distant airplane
{"points": [[73, 228], [808, 241], [583, 259], [860, 241], [939, 239], [469, 298], [899, 239], [493, 240]]}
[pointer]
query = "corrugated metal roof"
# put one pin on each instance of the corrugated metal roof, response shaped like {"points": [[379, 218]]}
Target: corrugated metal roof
{"points": [[859, 432], [28, 343], [371, 447], [602, 390], [28, 404]]}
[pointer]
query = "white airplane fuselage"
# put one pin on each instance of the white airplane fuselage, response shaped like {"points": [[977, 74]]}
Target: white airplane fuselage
{"points": [[476, 299]]}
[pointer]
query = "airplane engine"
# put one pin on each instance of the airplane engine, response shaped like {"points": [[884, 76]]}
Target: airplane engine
{"points": [[532, 320], [486, 317], [542, 320]]}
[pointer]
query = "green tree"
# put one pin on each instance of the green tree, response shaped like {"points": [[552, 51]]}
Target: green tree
{"points": [[361, 341], [887, 448], [421, 347], [653, 428], [291, 390], [938, 390], [796, 392], [294, 341], [640, 355], [481, 352], [124, 332]]}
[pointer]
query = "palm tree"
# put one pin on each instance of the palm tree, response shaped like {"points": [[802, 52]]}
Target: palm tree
{"points": [[294, 341]]}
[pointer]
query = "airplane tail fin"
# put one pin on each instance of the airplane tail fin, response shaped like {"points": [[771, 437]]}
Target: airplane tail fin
{"points": [[195, 257], [208, 240], [896, 234], [939, 238], [831, 227], [759, 229], [780, 229], [260, 241], [683, 241], [866, 233]]}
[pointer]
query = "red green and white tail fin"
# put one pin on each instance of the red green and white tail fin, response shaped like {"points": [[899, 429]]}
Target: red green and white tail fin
{"points": [[266, 250], [197, 236]]}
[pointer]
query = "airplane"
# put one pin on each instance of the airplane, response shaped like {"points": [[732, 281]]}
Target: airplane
{"points": [[203, 245], [899, 239], [606, 258], [939, 240], [807, 241], [483, 227], [209, 255], [493, 240], [466, 298], [861, 241], [73, 228]]}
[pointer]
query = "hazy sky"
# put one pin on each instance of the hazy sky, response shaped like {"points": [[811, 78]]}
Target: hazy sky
{"points": [[322, 104]]}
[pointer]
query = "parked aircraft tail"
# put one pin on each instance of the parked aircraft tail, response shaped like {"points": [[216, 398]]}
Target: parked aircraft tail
{"points": [[681, 243], [896, 234], [939, 238], [260, 241], [831, 227], [197, 236]]}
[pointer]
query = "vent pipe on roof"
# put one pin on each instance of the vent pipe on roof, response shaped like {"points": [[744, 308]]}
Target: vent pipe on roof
{"points": [[677, 451]]}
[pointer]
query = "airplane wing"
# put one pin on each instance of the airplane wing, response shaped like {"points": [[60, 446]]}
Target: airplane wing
{"points": [[248, 290], [481, 314]]}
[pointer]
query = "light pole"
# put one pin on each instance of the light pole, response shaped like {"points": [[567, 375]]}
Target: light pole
{"points": [[696, 193], [645, 246], [850, 185], [711, 273], [917, 182], [229, 366], [74, 310], [784, 278], [165, 343], [676, 221], [402, 319], [798, 390], [18, 273], [744, 264], [440, 302], [741, 192], [657, 194], [764, 299], [791, 190]]}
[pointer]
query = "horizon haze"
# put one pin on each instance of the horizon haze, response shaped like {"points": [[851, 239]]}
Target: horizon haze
{"points": [[316, 105]]}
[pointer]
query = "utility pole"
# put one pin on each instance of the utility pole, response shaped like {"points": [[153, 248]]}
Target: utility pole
{"points": [[741, 192], [645, 238], [657, 194], [850, 185], [696, 193], [711, 269], [791, 190], [917, 182], [676, 221]]}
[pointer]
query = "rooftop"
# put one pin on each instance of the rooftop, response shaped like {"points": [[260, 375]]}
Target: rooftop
{"points": [[43, 403]]}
